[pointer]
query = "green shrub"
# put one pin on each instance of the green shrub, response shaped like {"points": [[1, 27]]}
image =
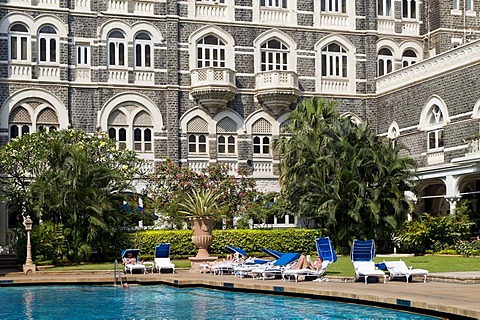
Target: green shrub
{"points": [[284, 240], [468, 248]]}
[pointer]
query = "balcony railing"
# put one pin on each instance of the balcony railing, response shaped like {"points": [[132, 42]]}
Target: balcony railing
{"points": [[82, 5], [210, 10], [117, 76], [143, 8], [198, 164], [384, 25], [277, 79], [144, 77], [473, 148], [277, 90], [274, 16], [411, 28], [117, 6], [336, 85], [334, 21], [19, 71], [212, 76], [48, 73], [435, 158]]}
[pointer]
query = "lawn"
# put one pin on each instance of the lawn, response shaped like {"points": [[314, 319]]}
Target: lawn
{"points": [[343, 266]]}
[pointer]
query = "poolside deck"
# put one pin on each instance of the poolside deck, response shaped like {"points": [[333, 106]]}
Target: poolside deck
{"points": [[450, 295]]}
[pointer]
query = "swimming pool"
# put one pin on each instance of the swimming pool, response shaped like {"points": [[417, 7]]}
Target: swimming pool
{"points": [[164, 302]]}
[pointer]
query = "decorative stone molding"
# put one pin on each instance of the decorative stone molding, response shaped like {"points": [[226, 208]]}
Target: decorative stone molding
{"points": [[212, 87], [277, 90], [430, 68]]}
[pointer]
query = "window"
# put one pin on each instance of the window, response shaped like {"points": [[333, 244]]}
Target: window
{"points": [[21, 123], [142, 132], [19, 43], [385, 62], [409, 57], [261, 145], [210, 52], [334, 61], [47, 49], [435, 139], [455, 5], [83, 55], [197, 129], [384, 8], [226, 144], [435, 119], [119, 135], [143, 51], [273, 55], [197, 143], [226, 136], [261, 137], [338, 6], [116, 49], [409, 9], [469, 5], [273, 3]]}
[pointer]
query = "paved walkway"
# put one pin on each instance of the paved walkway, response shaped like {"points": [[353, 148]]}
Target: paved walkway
{"points": [[450, 295]]}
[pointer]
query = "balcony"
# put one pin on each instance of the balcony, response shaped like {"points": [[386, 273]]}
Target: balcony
{"points": [[435, 158], [19, 71], [48, 73], [144, 77], [277, 16], [411, 28], [213, 87], [334, 21], [277, 90], [335, 85], [386, 25], [117, 76], [82, 5]]}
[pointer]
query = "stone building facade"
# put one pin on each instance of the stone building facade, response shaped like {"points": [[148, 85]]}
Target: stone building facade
{"points": [[209, 81]]}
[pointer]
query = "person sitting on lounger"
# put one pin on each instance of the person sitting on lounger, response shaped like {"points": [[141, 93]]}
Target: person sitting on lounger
{"points": [[304, 262], [129, 259]]}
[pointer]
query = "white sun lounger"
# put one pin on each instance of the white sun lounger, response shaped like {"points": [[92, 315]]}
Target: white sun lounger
{"points": [[367, 269], [399, 269]]}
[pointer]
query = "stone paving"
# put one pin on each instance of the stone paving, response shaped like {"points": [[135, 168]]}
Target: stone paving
{"points": [[449, 295]]}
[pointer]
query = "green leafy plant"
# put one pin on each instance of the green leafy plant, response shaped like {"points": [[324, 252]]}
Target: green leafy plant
{"points": [[203, 203]]}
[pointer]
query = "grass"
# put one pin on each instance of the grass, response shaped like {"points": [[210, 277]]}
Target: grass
{"points": [[343, 266]]}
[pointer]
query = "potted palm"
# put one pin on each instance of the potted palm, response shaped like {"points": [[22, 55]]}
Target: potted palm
{"points": [[201, 207]]}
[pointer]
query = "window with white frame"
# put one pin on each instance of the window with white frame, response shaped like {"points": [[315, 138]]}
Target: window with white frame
{"points": [[409, 9], [393, 134], [385, 62], [273, 3], [117, 49], [117, 129], [47, 48], [334, 6], [83, 55], [384, 8], [19, 43], [273, 55], [227, 137], [143, 50], [435, 119], [469, 5], [142, 132], [409, 57], [455, 5], [197, 135], [334, 61], [261, 137], [20, 123], [210, 52]]}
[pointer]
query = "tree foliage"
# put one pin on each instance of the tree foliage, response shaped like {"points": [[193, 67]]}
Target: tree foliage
{"points": [[342, 175], [72, 179], [170, 184]]}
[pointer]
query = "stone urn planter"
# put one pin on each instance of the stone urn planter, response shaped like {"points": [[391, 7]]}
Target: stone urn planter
{"points": [[202, 235]]}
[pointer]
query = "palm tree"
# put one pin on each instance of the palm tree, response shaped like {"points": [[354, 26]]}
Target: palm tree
{"points": [[342, 175]]}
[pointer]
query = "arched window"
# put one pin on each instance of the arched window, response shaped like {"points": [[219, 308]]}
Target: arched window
{"points": [[261, 137], [142, 132], [227, 137], [20, 122], [47, 49], [117, 129], [384, 8], [409, 9], [274, 55], [19, 43], [435, 119], [143, 50], [210, 52], [339, 6], [409, 57], [385, 62], [117, 49], [197, 132], [334, 61]]}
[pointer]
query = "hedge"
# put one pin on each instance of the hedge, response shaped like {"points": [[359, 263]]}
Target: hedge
{"points": [[251, 240]]}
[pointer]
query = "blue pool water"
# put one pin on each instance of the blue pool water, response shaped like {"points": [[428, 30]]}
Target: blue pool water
{"points": [[163, 302]]}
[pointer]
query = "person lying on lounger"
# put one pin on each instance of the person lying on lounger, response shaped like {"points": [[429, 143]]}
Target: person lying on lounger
{"points": [[129, 259], [304, 262]]}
